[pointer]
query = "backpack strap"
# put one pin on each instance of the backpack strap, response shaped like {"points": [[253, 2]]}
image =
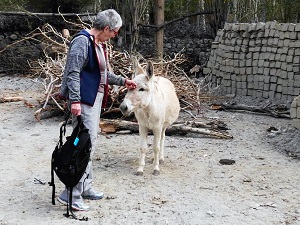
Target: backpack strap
{"points": [[79, 120], [51, 183], [70, 212], [69, 206], [63, 127]]}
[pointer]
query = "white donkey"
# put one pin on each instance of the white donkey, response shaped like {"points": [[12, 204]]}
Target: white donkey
{"points": [[156, 106]]}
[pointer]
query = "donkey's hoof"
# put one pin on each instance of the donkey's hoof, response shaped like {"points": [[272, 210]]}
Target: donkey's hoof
{"points": [[139, 173], [156, 172]]}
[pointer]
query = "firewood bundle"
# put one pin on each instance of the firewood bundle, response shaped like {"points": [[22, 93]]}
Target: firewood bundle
{"points": [[213, 129]]}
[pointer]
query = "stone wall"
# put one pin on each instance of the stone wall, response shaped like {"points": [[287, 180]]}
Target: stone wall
{"points": [[16, 57], [196, 46], [15, 27], [196, 50], [259, 59]]}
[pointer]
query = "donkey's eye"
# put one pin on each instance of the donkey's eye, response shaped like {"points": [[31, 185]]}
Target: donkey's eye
{"points": [[142, 89]]}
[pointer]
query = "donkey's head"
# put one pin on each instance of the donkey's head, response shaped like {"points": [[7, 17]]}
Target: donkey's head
{"points": [[140, 97]]}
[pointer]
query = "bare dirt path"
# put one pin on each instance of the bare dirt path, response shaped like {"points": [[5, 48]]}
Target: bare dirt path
{"points": [[261, 188]]}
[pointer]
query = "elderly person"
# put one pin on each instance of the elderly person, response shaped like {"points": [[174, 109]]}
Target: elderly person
{"points": [[85, 84]]}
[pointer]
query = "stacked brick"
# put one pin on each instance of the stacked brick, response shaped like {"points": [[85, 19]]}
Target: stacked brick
{"points": [[295, 112], [258, 59]]}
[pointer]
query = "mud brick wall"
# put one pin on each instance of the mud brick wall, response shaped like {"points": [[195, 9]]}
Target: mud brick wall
{"points": [[295, 112], [258, 59]]}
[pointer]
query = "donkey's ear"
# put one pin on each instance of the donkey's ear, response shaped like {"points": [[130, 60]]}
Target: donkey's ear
{"points": [[149, 69], [136, 66]]}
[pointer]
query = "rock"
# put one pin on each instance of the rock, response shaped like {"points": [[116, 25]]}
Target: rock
{"points": [[227, 161], [13, 37]]}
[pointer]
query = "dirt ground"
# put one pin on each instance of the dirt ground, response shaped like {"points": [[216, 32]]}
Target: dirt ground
{"points": [[261, 188]]}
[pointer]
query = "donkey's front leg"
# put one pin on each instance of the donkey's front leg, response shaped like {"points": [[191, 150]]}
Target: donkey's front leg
{"points": [[143, 149], [156, 150]]}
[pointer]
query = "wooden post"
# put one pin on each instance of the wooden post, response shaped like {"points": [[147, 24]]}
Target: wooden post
{"points": [[159, 34]]}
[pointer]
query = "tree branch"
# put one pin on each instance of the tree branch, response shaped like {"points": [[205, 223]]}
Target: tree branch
{"points": [[47, 14], [178, 19]]}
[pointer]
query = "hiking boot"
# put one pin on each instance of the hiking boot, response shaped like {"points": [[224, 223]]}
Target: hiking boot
{"points": [[78, 206], [92, 195]]}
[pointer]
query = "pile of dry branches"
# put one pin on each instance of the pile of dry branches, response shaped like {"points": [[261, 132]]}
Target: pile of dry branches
{"points": [[50, 69]]}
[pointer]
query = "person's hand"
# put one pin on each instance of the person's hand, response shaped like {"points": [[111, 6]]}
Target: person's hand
{"points": [[76, 109], [130, 84]]}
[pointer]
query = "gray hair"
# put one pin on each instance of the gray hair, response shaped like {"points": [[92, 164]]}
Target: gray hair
{"points": [[108, 18]]}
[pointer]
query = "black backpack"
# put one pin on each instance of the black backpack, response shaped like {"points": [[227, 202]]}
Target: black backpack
{"points": [[70, 159]]}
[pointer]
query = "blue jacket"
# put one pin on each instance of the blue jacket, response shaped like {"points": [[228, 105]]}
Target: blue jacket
{"points": [[90, 74]]}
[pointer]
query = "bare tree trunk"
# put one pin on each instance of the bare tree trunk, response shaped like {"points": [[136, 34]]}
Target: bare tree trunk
{"points": [[218, 18], [256, 10], [159, 34], [137, 10], [135, 20], [235, 11], [201, 18], [266, 7], [97, 6]]}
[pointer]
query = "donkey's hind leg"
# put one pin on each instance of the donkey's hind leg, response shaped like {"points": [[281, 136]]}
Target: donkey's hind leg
{"points": [[156, 150], [162, 147]]}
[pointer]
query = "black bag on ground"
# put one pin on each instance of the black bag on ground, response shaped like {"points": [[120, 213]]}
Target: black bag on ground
{"points": [[70, 159]]}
